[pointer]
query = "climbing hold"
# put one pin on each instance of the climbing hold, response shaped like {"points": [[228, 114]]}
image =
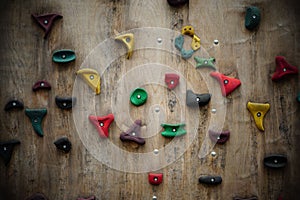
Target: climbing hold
{"points": [[228, 84], [172, 80], [250, 198], [102, 124], [36, 116], [275, 161], [46, 21], [133, 133], [172, 130], [179, 42], [298, 97], [41, 85], [91, 77], [155, 178], [6, 150], [89, 198], [65, 103], [186, 54], [258, 110], [210, 180], [195, 43], [138, 97], [63, 144], [252, 17], [219, 138], [13, 104], [283, 68], [177, 3], [63, 56], [193, 99], [37, 196], [128, 40], [188, 30], [204, 62]]}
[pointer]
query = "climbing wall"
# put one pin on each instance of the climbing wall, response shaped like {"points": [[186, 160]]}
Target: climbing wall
{"points": [[111, 168]]}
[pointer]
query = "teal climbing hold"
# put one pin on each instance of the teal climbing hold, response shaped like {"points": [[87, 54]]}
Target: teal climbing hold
{"points": [[186, 53], [252, 18], [179, 42], [63, 56], [204, 62], [36, 117], [172, 130], [138, 97]]}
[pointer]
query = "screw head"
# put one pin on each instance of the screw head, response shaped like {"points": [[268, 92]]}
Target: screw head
{"points": [[258, 114], [212, 180], [128, 39], [174, 130], [197, 99], [213, 110], [4, 148], [216, 42], [254, 16], [42, 84], [284, 69], [172, 82], [275, 161], [45, 21], [205, 62], [155, 179], [91, 77], [133, 133], [101, 124], [64, 146], [138, 96], [154, 198], [63, 56], [226, 81], [213, 153], [64, 104], [155, 151], [14, 103], [159, 40]]}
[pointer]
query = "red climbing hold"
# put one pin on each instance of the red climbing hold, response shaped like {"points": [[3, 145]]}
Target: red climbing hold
{"points": [[46, 21], [227, 84], [102, 123], [155, 179], [171, 80], [283, 68]]}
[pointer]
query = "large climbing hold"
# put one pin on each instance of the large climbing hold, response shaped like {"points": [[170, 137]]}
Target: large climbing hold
{"points": [[275, 161], [155, 178], [102, 124], [91, 77], [6, 150], [172, 130], [172, 80], [228, 84], [128, 40], [193, 99], [258, 111], [283, 68], [14, 105], [252, 17], [46, 21], [205, 62], [219, 137], [210, 180], [133, 134], [36, 117]]}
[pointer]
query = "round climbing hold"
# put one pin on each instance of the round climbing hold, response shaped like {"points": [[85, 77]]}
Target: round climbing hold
{"points": [[252, 18], [138, 97]]}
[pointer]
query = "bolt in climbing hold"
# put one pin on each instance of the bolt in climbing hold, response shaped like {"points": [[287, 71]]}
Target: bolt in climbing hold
{"points": [[155, 178], [36, 116], [252, 17], [102, 124], [63, 56], [177, 3], [37, 196], [172, 130], [133, 133], [46, 21], [172, 80], [6, 150], [204, 62], [65, 103], [275, 161], [138, 97], [91, 77], [63, 144], [210, 180], [13, 105], [193, 99], [195, 43], [258, 110], [41, 85], [219, 138], [283, 68], [128, 40], [188, 30], [228, 84]]}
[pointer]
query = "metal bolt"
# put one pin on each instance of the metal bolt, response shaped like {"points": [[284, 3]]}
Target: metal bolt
{"points": [[46, 22], [155, 151], [284, 69], [133, 133], [64, 104], [14, 104], [197, 99], [172, 82], [154, 198], [63, 56], [213, 110], [128, 39], [91, 77], [174, 130], [155, 179], [216, 42], [4, 148], [212, 180], [159, 40], [138, 96], [226, 81], [157, 109], [101, 124], [65, 146], [213, 153], [258, 114], [205, 62], [254, 16], [275, 161], [42, 84]]}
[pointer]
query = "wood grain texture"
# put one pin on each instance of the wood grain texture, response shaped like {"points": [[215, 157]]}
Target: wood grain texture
{"points": [[26, 57]]}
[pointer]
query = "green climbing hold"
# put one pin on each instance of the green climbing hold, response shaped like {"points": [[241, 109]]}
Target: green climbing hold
{"points": [[252, 18], [179, 42], [172, 130], [204, 62], [36, 116], [63, 56], [138, 97]]}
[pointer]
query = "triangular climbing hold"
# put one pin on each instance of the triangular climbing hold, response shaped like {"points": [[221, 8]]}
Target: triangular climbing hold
{"points": [[46, 21], [36, 117], [102, 124], [6, 150], [258, 111], [128, 40], [228, 84], [91, 77], [133, 133], [171, 80], [283, 68]]}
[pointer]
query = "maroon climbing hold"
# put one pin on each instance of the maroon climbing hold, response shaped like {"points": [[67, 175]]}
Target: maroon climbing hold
{"points": [[133, 133], [102, 123], [155, 178], [37, 196], [171, 80], [89, 198], [227, 84], [283, 68], [46, 21], [41, 85], [219, 138]]}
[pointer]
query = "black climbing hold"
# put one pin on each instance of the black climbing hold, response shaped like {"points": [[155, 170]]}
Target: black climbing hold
{"points": [[63, 144], [210, 180], [275, 161], [252, 18], [6, 150], [177, 3], [65, 102], [193, 99], [14, 105]]}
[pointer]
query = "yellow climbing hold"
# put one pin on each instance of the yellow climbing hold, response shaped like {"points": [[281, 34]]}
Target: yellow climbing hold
{"points": [[188, 30], [91, 77], [258, 110], [195, 42], [128, 40]]}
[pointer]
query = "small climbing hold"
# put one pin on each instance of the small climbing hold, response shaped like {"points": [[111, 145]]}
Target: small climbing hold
{"points": [[172, 130], [250, 198], [219, 137], [91, 77], [65, 103], [36, 116], [128, 40], [275, 161], [89, 198], [138, 97], [172, 80], [6, 150], [228, 84], [188, 30], [46, 21], [252, 17], [283, 68], [258, 111], [37, 196], [63, 144], [193, 99], [210, 180], [204, 62], [177, 3], [102, 124], [133, 133], [155, 178], [63, 56], [41, 85], [13, 105], [195, 43]]}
